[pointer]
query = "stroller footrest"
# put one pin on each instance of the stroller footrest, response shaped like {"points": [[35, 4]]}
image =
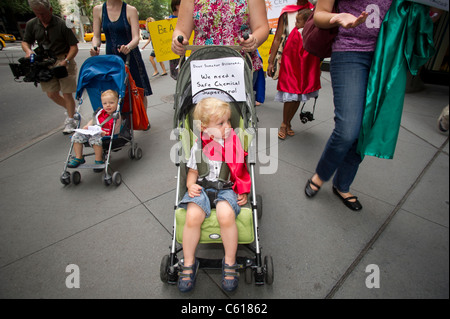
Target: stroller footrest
{"points": [[217, 263], [92, 166], [210, 229]]}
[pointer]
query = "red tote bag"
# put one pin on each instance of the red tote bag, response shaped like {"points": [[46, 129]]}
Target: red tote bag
{"points": [[140, 118]]}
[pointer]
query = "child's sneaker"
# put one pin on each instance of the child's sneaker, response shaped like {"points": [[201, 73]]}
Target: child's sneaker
{"points": [[69, 125], [443, 120], [186, 285], [230, 284]]}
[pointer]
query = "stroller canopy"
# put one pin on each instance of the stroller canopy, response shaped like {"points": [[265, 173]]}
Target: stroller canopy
{"points": [[101, 73]]}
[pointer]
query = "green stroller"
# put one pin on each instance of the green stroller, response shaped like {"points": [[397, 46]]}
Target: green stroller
{"points": [[244, 122]]}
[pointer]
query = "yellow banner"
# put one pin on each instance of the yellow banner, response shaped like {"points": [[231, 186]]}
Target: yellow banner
{"points": [[161, 34], [264, 51]]}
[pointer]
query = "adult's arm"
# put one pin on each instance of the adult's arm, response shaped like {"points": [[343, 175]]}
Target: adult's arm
{"points": [[184, 27], [324, 17]]}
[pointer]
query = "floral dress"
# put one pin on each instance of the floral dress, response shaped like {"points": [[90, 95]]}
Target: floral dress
{"points": [[222, 22]]}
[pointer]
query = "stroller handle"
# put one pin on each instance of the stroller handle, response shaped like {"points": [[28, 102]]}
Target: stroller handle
{"points": [[180, 39], [127, 62]]}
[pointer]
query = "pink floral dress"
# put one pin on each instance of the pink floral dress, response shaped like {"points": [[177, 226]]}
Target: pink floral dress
{"points": [[222, 22]]}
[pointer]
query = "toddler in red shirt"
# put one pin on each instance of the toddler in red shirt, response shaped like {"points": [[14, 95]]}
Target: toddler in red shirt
{"points": [[104, 120]]}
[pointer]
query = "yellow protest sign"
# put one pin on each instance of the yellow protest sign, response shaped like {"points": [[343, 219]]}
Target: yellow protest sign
{"points": [[161, 34], [264, 51]]}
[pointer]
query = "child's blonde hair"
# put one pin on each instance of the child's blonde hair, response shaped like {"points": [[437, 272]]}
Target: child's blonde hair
{"points": [[209, 108], [110, 92]]}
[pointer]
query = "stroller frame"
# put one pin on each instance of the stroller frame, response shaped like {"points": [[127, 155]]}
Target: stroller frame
{"points": [[262, 271], [112, 143]]}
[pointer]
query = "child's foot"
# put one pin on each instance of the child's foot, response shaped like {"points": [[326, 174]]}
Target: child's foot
{"points": [[98, 170], [187, 276], [75, 162], [230, 276]]}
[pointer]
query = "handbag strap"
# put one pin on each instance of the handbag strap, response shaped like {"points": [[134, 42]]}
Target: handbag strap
{"points": [[285, 22]]}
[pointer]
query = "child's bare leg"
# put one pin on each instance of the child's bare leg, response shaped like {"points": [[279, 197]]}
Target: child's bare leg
{"points": [[228, 230], [191, 233], [98, 150], [78, 149]]}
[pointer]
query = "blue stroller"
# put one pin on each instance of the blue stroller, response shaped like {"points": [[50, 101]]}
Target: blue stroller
{"points": [[98, 74]]}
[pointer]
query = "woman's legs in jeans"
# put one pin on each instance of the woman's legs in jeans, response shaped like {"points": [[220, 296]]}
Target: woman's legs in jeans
{"points": [[349, 74]]}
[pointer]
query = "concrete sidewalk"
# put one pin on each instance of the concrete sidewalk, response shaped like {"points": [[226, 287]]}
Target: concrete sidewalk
{"points": [[116, 236]]}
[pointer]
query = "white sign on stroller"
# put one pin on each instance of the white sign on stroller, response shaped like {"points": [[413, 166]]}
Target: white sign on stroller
{"points": [[225, 74], [91, 130]]}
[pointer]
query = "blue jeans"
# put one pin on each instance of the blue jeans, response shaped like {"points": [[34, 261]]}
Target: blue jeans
{"points": [[349, 76]]}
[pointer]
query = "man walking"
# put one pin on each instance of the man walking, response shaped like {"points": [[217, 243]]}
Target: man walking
{"points": [[51, 33]]}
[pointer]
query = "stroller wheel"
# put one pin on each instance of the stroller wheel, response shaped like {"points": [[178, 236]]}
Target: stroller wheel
{"points": [[76, 177], [107, 180], [65, 178], [117, 178], [131, 153], [268, 269], [163, 270], [138, 153]]}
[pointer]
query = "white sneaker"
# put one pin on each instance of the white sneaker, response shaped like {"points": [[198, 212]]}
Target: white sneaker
{"points": [[69, 125], [443, 120]]}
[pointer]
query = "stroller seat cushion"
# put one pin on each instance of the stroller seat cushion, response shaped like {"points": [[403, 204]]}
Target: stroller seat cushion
{"points": [[210, 230]]}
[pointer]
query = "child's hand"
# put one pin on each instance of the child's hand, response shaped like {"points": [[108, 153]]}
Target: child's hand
{"points": [[194, 190], [242, 199], [85, 127], [103, 133]]}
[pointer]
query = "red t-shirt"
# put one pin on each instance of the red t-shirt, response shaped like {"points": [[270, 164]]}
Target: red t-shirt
{"points": [[102, 116]]}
